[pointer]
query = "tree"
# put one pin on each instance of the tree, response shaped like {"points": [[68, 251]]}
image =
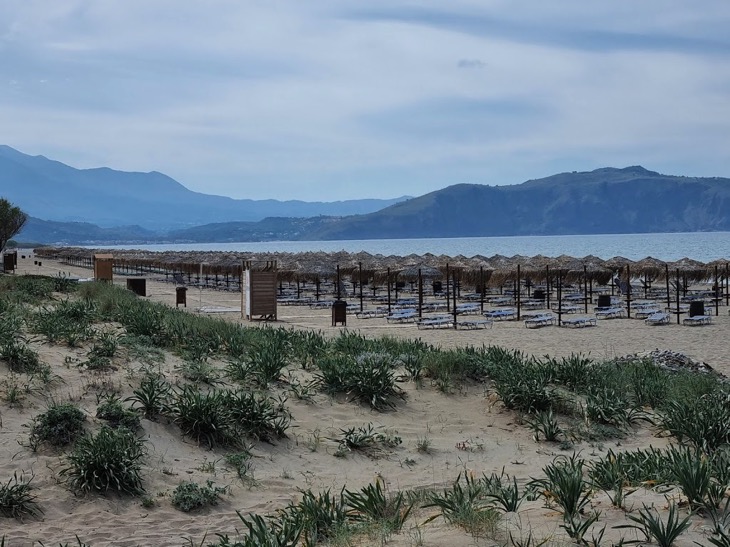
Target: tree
{"points": [[12, 220]]}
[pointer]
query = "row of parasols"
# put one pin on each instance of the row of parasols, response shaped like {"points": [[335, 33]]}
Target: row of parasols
{"points": [[314, 266]]}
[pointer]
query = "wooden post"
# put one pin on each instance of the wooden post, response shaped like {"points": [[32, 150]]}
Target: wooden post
{"points": [[420, 293], [717, 292], [338, 284], [454, 292], [448, 296], [481, 281], [560, 297], [669, 294], [585, 287], [360, 267], [548, 286], [677, 296], [628, 291], [519, 292], [388, 283]]}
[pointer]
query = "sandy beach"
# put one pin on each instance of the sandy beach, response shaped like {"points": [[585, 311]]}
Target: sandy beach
{"points": [[468, 431]]}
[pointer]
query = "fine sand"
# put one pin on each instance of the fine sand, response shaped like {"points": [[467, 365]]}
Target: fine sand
{"points": [[468, 430]]}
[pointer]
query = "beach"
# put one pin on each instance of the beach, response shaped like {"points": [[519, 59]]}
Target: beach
{"points": [[468, 430]]}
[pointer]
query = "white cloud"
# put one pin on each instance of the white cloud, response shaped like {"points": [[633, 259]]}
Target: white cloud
{"points": [[331, 100]]}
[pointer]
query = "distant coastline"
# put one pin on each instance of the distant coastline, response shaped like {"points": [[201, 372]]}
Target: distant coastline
{"points": [[702, 246]]}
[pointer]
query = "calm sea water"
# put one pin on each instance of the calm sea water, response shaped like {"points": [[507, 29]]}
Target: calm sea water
{"points": [[703, 246]]}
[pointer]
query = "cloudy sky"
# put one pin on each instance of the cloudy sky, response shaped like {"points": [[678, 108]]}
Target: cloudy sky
{"points": [[337, 99]]}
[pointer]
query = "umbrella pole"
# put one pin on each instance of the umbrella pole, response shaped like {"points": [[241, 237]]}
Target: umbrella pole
{"points": [[727, 286], [669, 294], [360, 267], [448, 295], [481, 282], [560, 298], [388, 283], [338, 282], [717, 293], [420, 293], [548, 287], [628, 291], [585, 287], [519, 287], [454, 292], [677, 296]]}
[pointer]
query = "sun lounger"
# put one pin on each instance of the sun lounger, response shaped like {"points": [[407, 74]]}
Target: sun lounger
{"points": [[403, 316], [473, 324], [440, 322], [370, 314], [697, 320], [578, 322], [566, 308], [501, 314], [540, 320], [645, 313], [610, 313], [657, 318], [465, 309]]}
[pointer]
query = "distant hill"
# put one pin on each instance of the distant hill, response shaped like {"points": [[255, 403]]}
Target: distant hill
{"points": [[54, 191], [604, 201], [608, 200]]}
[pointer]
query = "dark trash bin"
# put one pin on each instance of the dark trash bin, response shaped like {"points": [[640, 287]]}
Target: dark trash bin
{"points": [[339, 312], [538, 294], [137, 286], [696, 308], [181, 296], [437, 287], [604, 301]]}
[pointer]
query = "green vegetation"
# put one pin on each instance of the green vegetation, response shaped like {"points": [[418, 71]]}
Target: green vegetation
{"points": [[229, 392], [60, 425], [17, 499], [189, 496], [109, 460]]}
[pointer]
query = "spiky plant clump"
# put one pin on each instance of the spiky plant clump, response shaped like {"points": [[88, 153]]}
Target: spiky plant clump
{"points": [[189, 496], [17, 499], [60, 425], [109, 460]]}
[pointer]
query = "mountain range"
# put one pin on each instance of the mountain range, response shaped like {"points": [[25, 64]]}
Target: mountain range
{"points": [[117, 207], [51, 190]]}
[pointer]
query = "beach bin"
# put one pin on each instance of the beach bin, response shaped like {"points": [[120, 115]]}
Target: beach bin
{"points": [[438, 287], [696, 308], [538, 294], [137, 286], [604, 301], [339, 312], [181, 296]]}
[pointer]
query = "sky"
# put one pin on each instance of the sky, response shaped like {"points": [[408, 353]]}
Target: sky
{"points": [[325, 100]]}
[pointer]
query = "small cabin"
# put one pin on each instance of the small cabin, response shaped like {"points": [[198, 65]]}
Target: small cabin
{"points": [[103, 266]]}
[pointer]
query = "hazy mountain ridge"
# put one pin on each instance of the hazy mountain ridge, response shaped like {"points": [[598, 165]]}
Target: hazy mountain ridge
{"points": [[606, 200], [54, 191]]}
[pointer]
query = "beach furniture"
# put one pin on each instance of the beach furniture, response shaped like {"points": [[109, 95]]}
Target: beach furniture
{"points": [[610, 313], [465, 309], [370, 314], [403, 316], [501, 314], [578, 322], [697, 320], [473, 324], [657, 318], [437, 322], [540, 320]]}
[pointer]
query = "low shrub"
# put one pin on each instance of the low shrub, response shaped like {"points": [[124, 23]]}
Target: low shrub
{"points": [[60, 425], [17, 499], [109, 460], [189, 496], [112, 410]]}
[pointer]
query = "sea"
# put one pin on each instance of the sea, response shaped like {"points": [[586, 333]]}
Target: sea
{"points": [[702, 246]]}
